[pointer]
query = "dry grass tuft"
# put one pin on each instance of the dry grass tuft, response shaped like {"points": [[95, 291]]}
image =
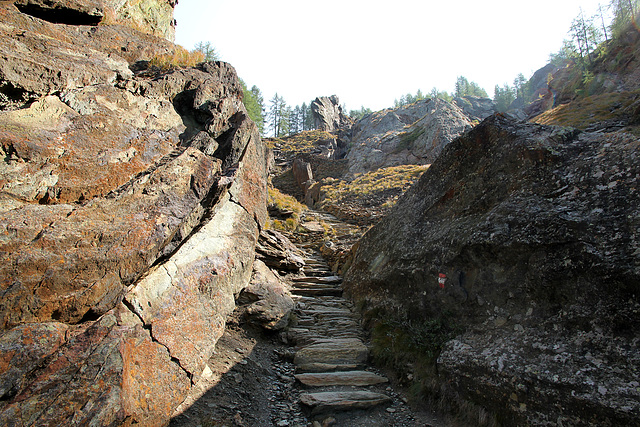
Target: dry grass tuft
{"points": [[180, 58], [287, 210], [592, 110]]}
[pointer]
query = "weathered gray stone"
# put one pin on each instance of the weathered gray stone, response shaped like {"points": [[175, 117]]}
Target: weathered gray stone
{"points": [[328, 114], [346, 378], [339, 351], [270, 303], [276, 251], [535, 232], [412, 134], [123, 240], [342, 400]]}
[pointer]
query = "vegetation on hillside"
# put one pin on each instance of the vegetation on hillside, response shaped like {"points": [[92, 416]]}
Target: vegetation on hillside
{"points": [[463, 88], [179, 58], [284, 211], [369, 195], [300, 143]]}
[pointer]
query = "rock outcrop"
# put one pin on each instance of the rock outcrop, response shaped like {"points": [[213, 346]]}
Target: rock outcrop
{"points": [[153, 17], [477, 109], [411, 134], [328, 114], [130, 210], [527, 238]]}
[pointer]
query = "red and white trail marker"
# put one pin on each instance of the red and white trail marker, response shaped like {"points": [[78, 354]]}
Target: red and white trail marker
{"points": [[441, 279]]}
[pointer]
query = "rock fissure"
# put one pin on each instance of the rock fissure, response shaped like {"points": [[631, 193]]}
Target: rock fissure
{"points": [[149, 329]]}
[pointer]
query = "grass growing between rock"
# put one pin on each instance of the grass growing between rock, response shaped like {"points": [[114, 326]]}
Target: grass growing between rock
{"points": [[372, 194], [596, 109], [369, 196], [180, 58], [303, 142], [284, 211], [410, 347]]}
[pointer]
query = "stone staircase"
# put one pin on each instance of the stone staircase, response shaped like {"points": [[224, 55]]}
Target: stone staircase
{"points": [[331, 357]]}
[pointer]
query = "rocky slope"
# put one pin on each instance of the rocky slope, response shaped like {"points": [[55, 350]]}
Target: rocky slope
{"points": [[411, 134], [525, 237], [130, 209]]}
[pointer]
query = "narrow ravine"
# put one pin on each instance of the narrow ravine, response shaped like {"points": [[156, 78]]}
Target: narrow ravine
{"points": [[317, 372], [335, 379]]}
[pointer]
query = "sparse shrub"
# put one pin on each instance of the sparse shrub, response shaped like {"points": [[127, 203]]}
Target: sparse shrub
{"points": [[180, 58], [286, 205]]}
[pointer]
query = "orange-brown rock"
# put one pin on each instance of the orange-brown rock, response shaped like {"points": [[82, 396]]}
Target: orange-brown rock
{"points": [[130, 208]]}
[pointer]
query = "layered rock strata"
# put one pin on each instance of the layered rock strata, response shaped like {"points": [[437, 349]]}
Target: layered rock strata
{"points": [[130, 209], [526, 237]]}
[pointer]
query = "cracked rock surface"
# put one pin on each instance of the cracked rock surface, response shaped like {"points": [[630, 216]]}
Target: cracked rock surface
{"points": [[130, 207]]}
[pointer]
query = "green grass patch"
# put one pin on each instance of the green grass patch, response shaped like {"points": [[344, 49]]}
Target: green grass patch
{"points": [[408, 138]]}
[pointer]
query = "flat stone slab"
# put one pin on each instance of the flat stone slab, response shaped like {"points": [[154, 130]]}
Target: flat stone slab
{"points": [[327, 367], [325, 280], [342, 400], [339, 351], [313, 226], [333, 292], [348, 378], [301, 285]]}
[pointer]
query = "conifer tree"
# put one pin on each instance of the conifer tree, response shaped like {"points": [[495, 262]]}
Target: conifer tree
{"points": [[277, 116], [254, 104], [207, 50], [503, 97]]}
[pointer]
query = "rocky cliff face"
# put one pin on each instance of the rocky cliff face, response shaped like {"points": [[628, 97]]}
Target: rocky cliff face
{"points": [[526, 237], [130, 209], [411, 134], [327, 113]]}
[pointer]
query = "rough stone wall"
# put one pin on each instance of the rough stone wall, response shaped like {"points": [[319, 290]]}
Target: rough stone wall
{"points": [[149, 16], [129, 212], [535, 233]]}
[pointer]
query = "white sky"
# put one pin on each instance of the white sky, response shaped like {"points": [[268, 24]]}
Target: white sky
{"points": [[369, 53]]}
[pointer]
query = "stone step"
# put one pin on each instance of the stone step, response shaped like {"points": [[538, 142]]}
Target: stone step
{"points": [[323, 301], [329, 322], [317, 292], [299, 285], [318, 367], [304, 337], [346, 378], [320, 280], [317, 272], [327, 401], [333, 351], [329, 313]]}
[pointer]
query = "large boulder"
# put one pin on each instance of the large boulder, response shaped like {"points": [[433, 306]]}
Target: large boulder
{"points": [[411, 134], [130, 208], [527, 238], [267, 299]]}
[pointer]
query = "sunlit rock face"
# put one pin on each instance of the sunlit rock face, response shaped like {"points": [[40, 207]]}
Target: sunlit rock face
{"points": [[130, 208], [413, 134], [328, 114], [527, 238]]}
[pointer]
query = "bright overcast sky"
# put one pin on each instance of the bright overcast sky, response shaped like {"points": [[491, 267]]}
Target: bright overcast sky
{"points": [[369, 53]]}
